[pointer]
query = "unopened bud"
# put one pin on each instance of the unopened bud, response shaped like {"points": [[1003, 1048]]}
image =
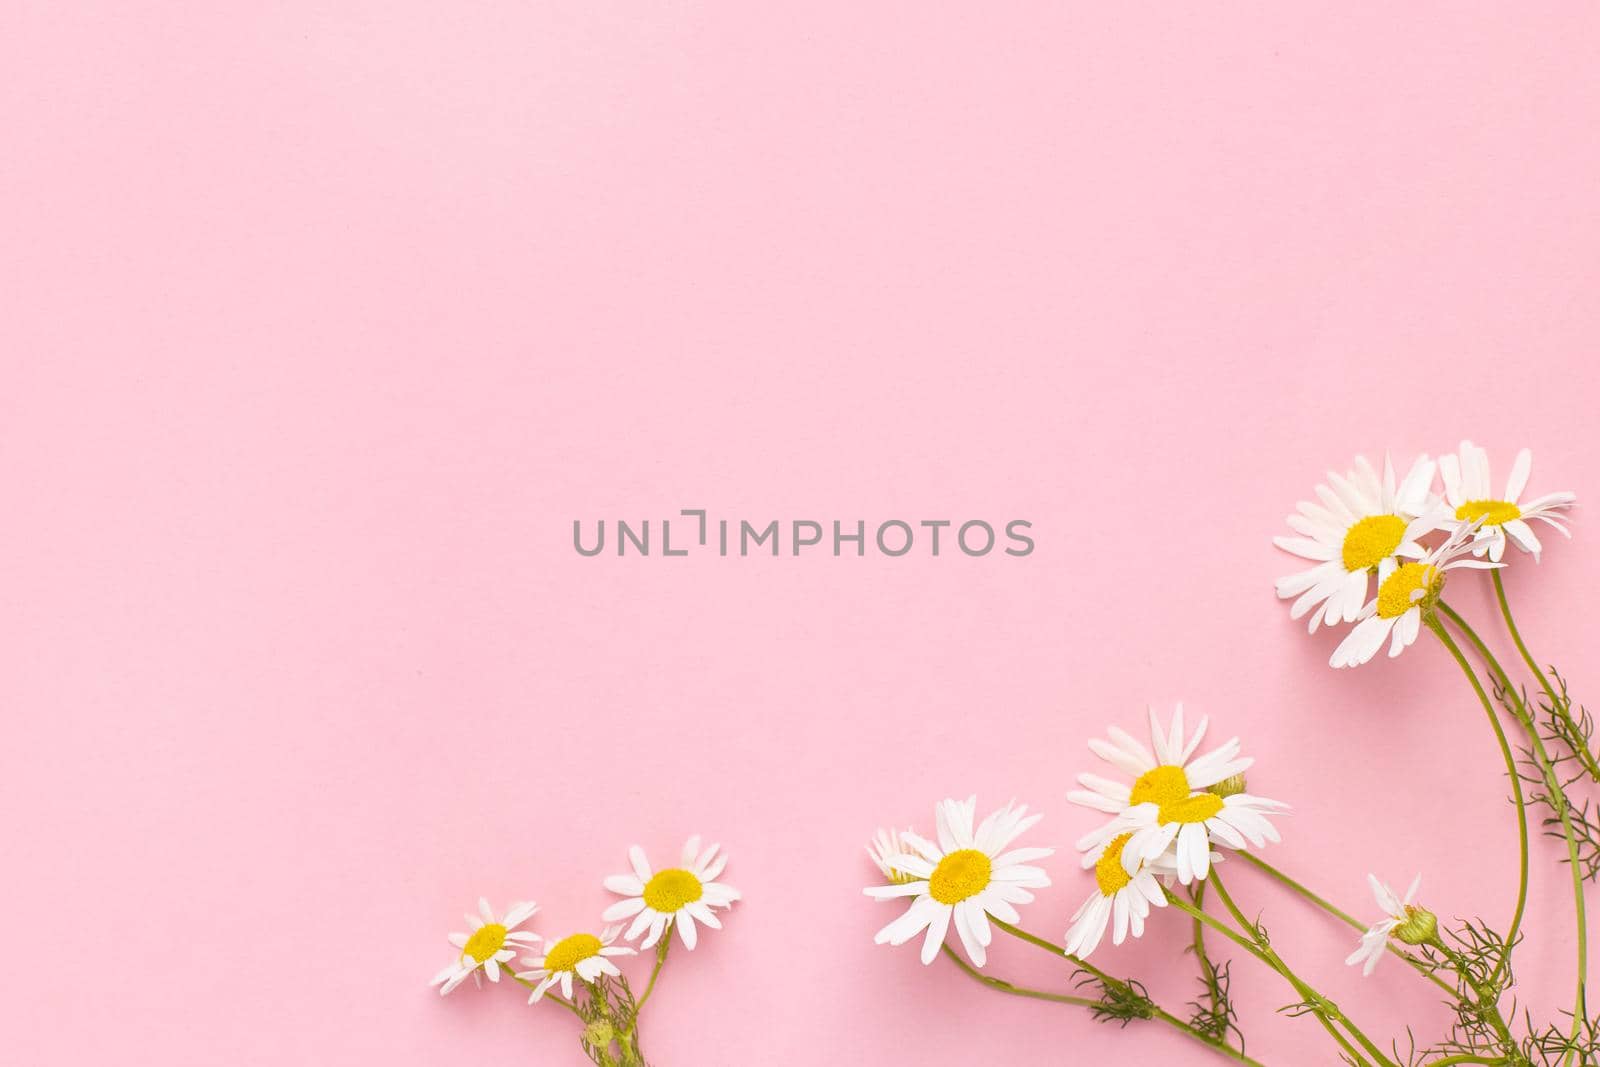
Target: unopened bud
{"points": [[1228, 786], [599, 1034], [1419, 927]]}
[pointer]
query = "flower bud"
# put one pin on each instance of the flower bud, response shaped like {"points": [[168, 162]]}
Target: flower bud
{"points": [[1228, 786], [599, 1034], [1419, 927]]}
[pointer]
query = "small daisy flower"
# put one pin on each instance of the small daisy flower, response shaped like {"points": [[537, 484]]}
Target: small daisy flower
{"points": [[1401, 918], [1360, 521], [491, 943], [967, 876], [1503, 518], [675, 896], [1118, 897], [1406, 592], [1170, 801], [583, 955], [884, 846]]}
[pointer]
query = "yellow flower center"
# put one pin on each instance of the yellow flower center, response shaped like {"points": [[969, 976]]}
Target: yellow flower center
{"points": [[485, 942], [1197, 808], [567, 953], [1108, 872], [671, 889], [1168, 788], [1395, 594], [1372, 540], [962, 874], [1492, 512]]}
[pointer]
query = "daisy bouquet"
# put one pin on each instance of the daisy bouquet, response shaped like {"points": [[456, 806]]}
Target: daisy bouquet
{"points": [[579, 972], [1379, 549]]}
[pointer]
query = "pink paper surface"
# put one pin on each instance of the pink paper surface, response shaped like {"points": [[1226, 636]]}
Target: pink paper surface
{"points": [[323, 322]]}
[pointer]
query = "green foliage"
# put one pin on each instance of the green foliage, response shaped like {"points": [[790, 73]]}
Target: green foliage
{"points": [[1566, 736], [1570, 733], [1213, 1013], [1552, 1046], [1478, 959], [610, 1015], [1115, 1001]]}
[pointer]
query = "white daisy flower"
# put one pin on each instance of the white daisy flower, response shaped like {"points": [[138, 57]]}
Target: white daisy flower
{"points": [[676, 896], [1402, 918], [491, 943], [583, 955], [1466, 487], [1361, 520], [884, 846], [970, 874], [1170, 803], [1405, 592], [1119, 897]]}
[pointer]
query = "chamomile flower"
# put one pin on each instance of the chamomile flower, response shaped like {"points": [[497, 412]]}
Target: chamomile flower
{"points": [[491, 943], [1406, 592], [1170, 802], [1360, 521], [585, 955], [968, 875], [884, 846], [675, 896], [1401, 919], [1120, 898], [1503, 518]]}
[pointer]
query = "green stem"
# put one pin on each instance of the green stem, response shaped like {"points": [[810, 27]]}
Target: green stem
{"points": [[1487, 997], [1032, 939], [1557, 798], [1557, 705], [1505, 752], [1208, 973], [628, 1036], [1057, 950], [1310, 995], [1003, 986], [1251, 947], [1000, 985], [1215, 1046], [655, 972], [1421, 966]]}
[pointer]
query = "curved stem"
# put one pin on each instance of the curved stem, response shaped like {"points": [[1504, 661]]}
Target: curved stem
{"points": [[1505, 752], [1000, 985], [655, 972], [1249, 945], [1557, 799], [1010, 987], [1057, 950], [1215, 1046], [1032, 939], [1319, 1003], [1343, 916], [1208, 973], [1003, 986], [1583, 754], [1487, 997]]}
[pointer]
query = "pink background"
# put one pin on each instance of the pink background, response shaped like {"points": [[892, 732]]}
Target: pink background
{"points": [[323, 322]]}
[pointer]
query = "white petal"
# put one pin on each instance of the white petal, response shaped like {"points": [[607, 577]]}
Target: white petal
{"points": [[938, 926], [641, 865], [1520, 469]]}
